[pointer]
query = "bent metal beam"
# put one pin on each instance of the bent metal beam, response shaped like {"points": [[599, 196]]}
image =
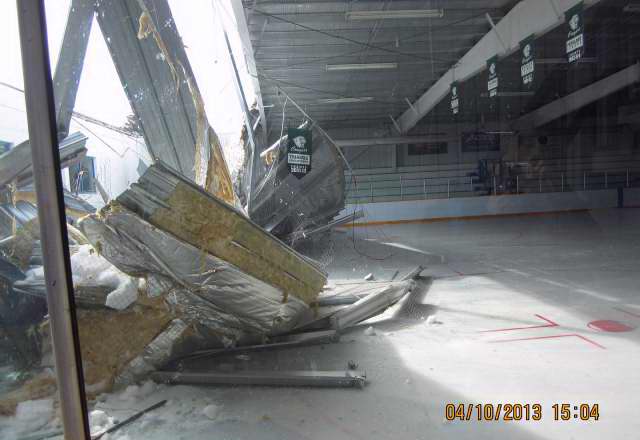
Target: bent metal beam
{"points": [[579, 98]]}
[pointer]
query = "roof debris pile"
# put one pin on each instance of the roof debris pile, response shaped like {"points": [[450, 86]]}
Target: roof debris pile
{"points": [[172, 267]]}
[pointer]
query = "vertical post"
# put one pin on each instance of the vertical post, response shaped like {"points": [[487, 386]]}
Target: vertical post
{"points": [[53, 231], [401, 187], [606, 180], [517, 184], [255, 154], [539, 182], [584, 181], [448, 188], [627, 177], [495, 189], [471, 183], [371, 190], [424, 187], [562, 185]]}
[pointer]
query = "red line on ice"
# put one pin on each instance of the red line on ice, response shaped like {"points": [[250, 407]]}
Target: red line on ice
{"points": [[550, 324], [551, 337]]}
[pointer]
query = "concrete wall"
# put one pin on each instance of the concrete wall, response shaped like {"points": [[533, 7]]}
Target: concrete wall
{"points": [[489, 205]]}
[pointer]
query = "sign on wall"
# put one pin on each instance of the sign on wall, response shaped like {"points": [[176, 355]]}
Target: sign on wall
{"points": [[527, 63], [425, 148], [455, 99], [299, 151], [477, 141], [575, 36], [492, 80]]}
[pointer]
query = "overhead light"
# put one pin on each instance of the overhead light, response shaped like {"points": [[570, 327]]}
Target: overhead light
{"points": [[401, 14], [345, 100], [361, 66]]}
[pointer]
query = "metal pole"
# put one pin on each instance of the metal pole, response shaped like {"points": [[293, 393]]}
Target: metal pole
{"points": [[424, 187], [495, 189], [53, 231], [255, 159], [371, 190], [471, 183], [562, 189], [539, 182], [584, 181], [627, 177], [401, 187]]}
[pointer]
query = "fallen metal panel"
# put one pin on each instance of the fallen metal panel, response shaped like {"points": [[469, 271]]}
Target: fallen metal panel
{"points": [[22, 212], [579, 98], [154, 85], [172, 203], [201, 289], [369, 306], [333, 224], [75, 205], [284, 204], [528, 17], [277, 343], [70, 62], [294, 378], [16, 163], [372, 298]]}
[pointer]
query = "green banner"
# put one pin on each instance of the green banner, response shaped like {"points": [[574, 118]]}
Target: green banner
{"points": [[492, 80], [299, 152], [455, 98], [575, 35], [527, 62]]}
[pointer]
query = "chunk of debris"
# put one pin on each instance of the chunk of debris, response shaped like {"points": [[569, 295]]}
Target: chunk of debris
{"points": [[369, 277]]}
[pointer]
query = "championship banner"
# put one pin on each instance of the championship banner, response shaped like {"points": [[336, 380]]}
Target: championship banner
{"points": [[492, 81], [575, 36], [455, 99], [299, 151], [527, 63]]}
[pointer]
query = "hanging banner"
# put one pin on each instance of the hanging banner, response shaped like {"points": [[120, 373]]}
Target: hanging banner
{"points": [[455, 100], [492, 81], [299, 151], [575, 36], [527, 63]]}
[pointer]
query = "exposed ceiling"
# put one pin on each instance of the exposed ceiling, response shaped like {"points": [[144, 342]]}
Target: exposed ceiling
{"points": [[294, 42]]}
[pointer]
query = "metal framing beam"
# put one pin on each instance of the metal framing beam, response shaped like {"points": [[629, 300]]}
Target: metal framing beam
{"points": [[70, 61], [243, 31], [579, 99], [41, 118], [529, 17], [346, 143], [286, 378]]}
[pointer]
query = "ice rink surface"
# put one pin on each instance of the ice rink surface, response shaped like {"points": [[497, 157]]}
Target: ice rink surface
{"points": [[509, 310]]}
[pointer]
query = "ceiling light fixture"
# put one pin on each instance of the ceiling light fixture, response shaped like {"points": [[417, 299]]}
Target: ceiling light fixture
{"points": [[361, 66], [345, 100], [401, 14]]}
